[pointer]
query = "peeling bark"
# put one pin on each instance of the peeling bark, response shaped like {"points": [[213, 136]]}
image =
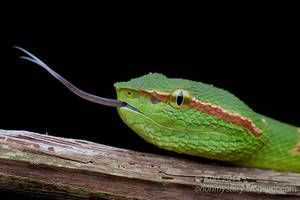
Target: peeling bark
{"points": [[70, 168]]}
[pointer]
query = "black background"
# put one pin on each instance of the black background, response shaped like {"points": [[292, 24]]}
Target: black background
{"points": [[254, 57]]}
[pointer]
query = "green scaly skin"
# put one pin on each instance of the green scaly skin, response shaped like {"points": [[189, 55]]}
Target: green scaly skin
{"points": [[192, 132]]}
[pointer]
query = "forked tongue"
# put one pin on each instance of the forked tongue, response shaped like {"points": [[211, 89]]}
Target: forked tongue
{"points": [[70, 86]]}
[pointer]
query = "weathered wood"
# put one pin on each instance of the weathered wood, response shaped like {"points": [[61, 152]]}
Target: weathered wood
{"points": [[71, 168]]}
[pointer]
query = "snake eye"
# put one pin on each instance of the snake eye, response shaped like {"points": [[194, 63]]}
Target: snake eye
{"points": [[180, 98]]}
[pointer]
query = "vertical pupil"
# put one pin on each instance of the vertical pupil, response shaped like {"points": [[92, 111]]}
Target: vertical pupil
{"points": [[179, 98]]}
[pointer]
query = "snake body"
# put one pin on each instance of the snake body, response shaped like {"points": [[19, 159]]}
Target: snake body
{"points": [[188, 130], [198, 119]]}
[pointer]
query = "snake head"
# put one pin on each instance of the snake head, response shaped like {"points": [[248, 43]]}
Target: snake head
{"points": [[190, 117]]}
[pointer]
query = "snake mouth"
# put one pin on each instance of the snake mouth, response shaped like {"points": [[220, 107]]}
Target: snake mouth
{"points": [[133, 109]]}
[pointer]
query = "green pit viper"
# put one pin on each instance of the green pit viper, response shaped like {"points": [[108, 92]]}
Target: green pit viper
{"points": [[198, 119]]}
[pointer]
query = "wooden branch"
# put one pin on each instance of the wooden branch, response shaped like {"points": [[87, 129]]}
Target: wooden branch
{"points": [[70, 168]]}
